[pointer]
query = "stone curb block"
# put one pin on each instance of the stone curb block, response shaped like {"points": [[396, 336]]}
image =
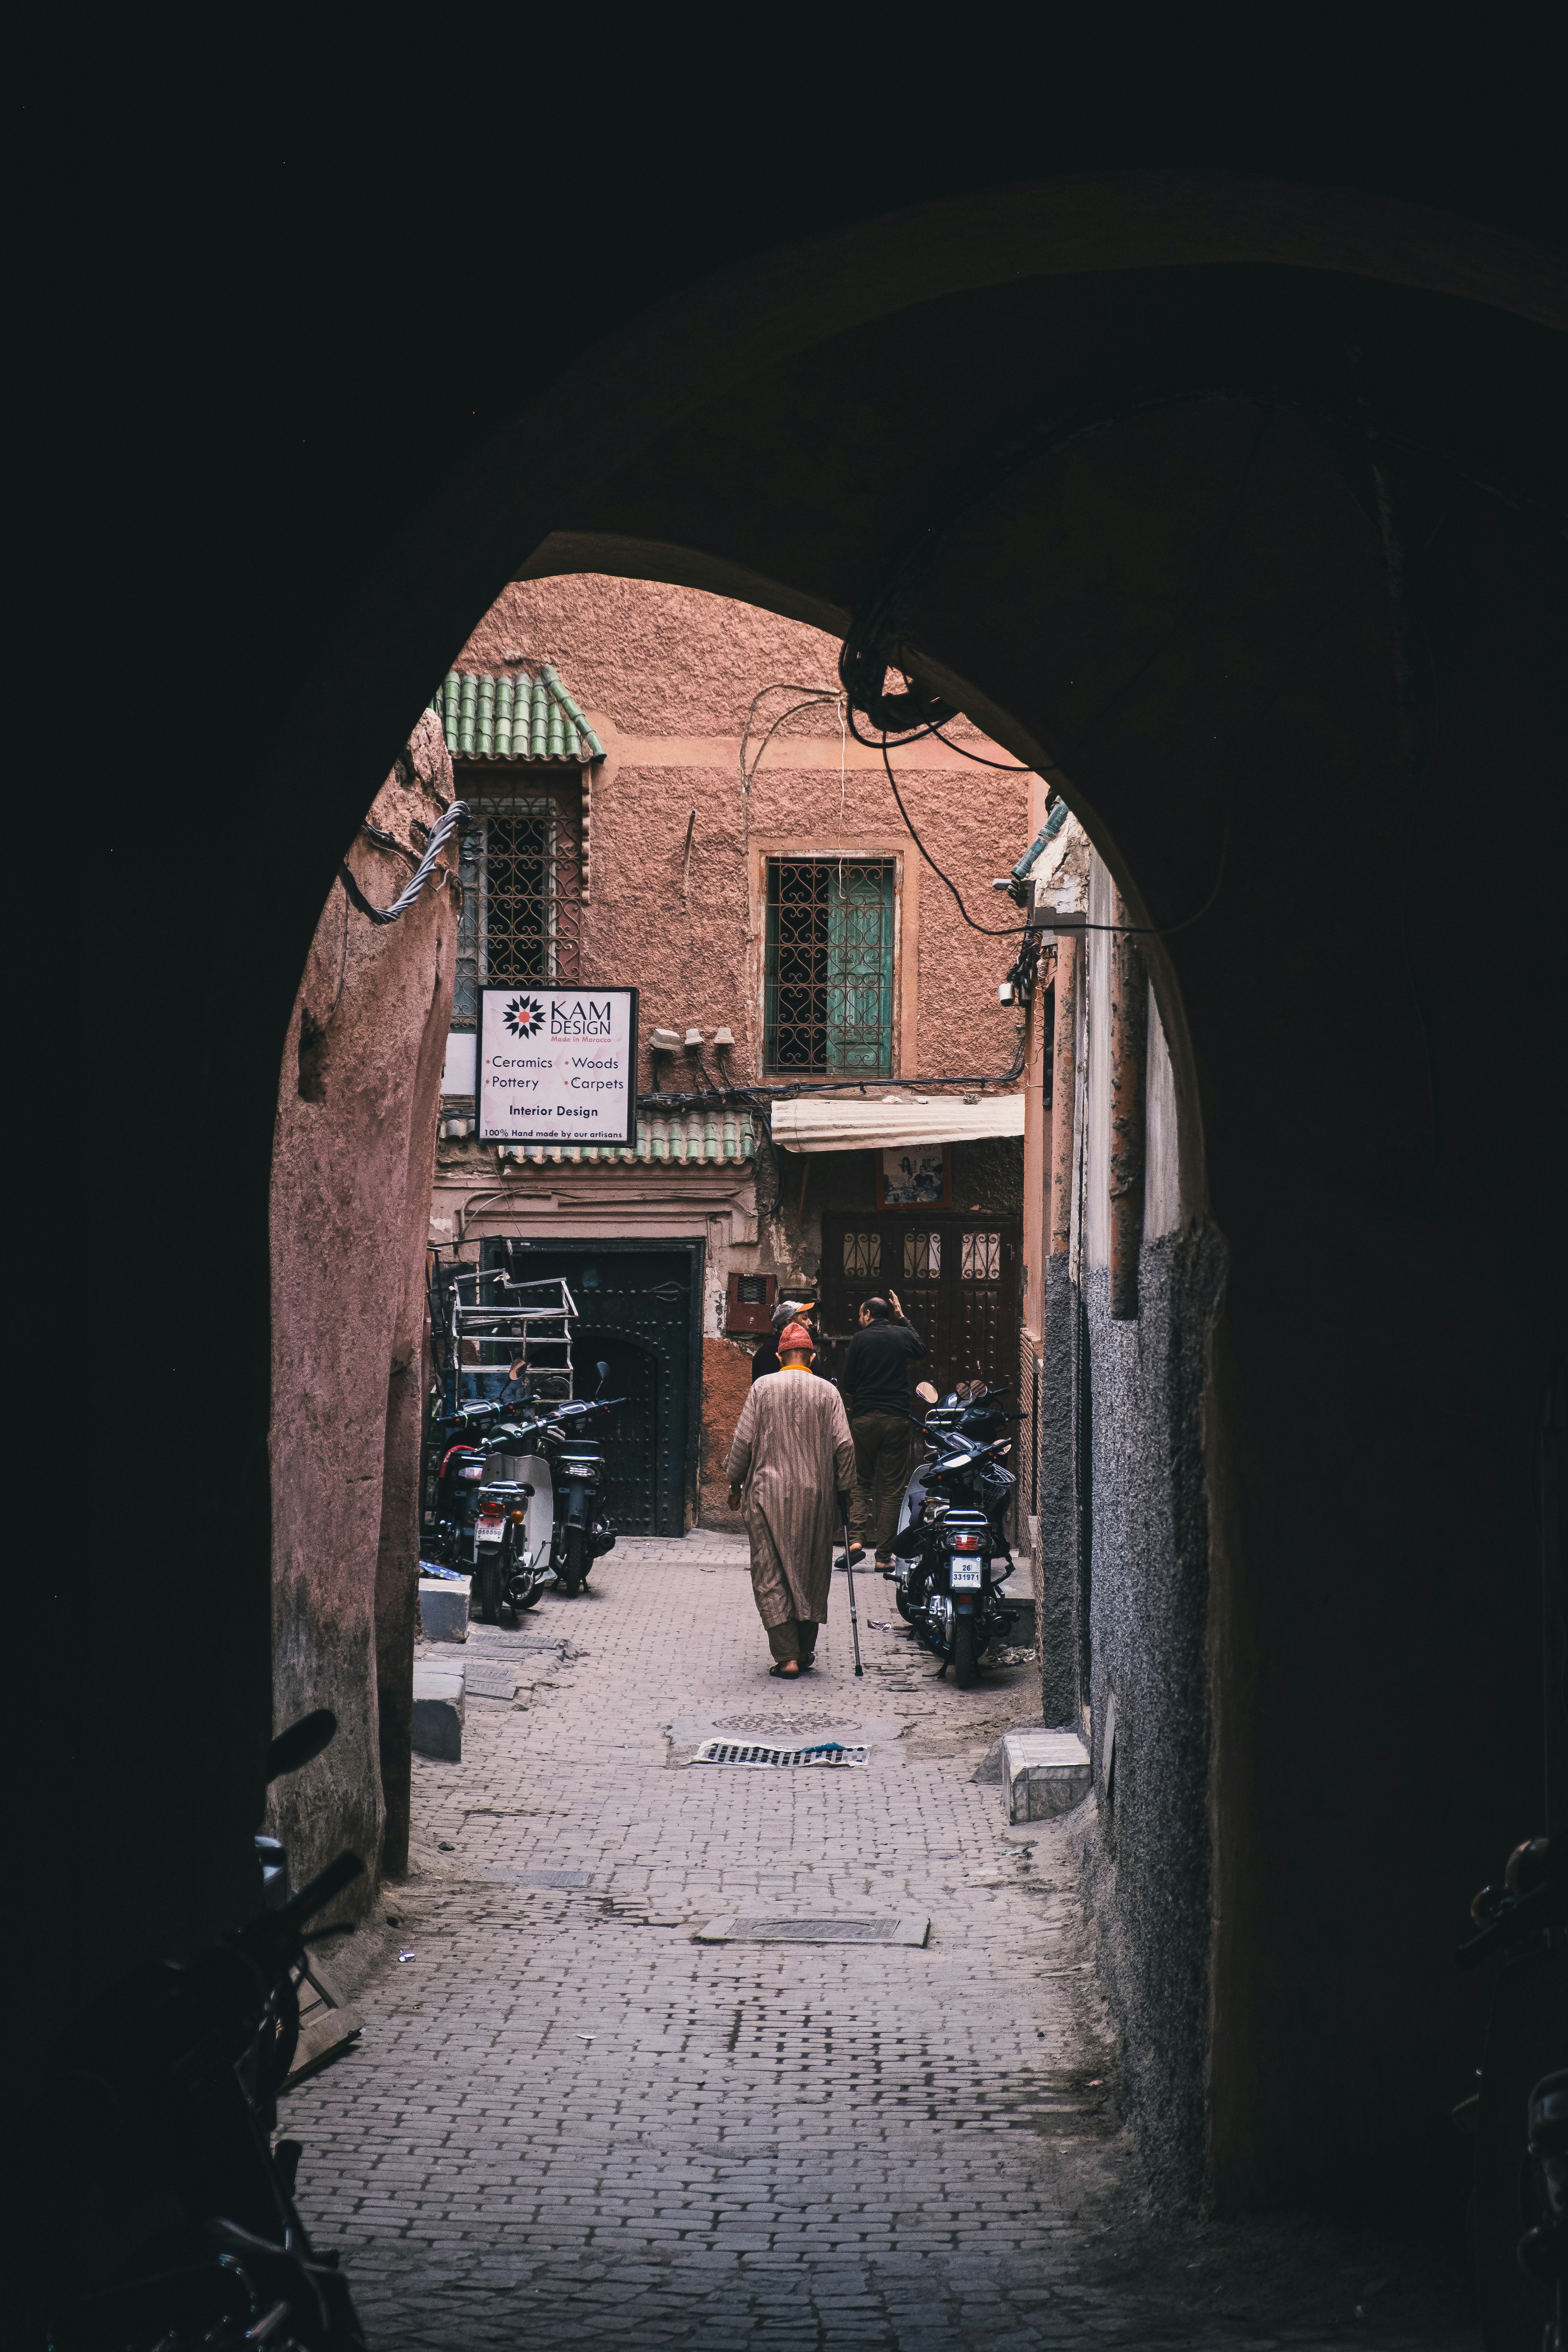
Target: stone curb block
{"points": [[444, 1608], [1043, 1773], [439, 1711]]}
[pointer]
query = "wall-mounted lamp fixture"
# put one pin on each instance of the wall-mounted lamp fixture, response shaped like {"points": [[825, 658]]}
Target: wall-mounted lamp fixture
{"points": [[663, 1041]]}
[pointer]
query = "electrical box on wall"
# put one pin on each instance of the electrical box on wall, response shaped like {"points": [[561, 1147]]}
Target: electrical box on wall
{"points": [[750, 1302]]}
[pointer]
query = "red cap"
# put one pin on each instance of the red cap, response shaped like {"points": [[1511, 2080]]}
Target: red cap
{"points": [[794, 1340]]}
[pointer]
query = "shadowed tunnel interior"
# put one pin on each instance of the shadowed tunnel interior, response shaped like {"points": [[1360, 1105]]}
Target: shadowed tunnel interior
{"points": [[1238, 509]]}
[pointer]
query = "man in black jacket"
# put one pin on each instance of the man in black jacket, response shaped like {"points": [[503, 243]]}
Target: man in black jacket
{"points": [[875, 1387]]}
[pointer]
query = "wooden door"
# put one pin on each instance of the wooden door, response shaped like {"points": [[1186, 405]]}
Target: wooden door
{"points": [[957, 1275]]}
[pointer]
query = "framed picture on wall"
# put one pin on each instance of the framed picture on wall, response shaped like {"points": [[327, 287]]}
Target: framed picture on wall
{"points": [[915, 1176]]}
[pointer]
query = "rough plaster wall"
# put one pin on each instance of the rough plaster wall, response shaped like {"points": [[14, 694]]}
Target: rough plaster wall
{"points": [[650, 660], [658, 660], [1095, 1245], [1057, 1558], [726, 1384], [988, 1173], [1147, 1881], [351, 1200], [397, 1557]]}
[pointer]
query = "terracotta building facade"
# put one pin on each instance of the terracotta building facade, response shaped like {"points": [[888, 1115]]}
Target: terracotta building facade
{"points": [[832, 1100]]}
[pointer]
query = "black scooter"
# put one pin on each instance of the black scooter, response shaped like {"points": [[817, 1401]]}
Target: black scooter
{"points": [[581, 1534], [952, 1552]]}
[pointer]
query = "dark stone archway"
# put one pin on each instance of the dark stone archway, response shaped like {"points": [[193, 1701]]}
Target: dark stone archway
{"points": [[1186, 614]]}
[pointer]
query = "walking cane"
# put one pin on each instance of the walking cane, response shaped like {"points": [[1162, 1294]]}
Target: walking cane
{"points": [[849, 1572]]}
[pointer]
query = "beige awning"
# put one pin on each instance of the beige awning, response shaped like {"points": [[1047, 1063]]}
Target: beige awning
{"points": [[852, 1123]]}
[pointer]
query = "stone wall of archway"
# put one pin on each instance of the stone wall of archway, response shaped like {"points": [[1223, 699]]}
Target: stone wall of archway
{"points": [[1395, 1282]]}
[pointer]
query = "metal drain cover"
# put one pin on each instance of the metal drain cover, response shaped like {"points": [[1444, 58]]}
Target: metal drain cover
{"points": [[748, 1928], [494, 1642], [510, 1877], [489, 1678], [743, 1751]]}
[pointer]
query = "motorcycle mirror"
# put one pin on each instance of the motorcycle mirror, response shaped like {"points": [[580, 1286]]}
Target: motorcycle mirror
{"points": [[604, 1372], [925, 1391], [300, 1742]]}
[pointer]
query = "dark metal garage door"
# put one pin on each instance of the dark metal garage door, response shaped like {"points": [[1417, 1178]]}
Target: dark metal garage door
{"points": [[638, 1310]]}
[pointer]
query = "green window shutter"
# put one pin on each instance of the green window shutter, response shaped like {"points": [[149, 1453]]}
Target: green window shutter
{"points": [[828, 967], [859, 994]]}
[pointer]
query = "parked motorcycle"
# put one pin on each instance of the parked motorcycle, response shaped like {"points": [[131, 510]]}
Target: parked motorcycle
{"points": [[176, 2071], [482, 1505], [580, 1533], [513, 1513], [952, 1555]]}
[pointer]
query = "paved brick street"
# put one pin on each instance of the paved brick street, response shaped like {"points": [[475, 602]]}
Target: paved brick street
{"points": [[570, 2123]]}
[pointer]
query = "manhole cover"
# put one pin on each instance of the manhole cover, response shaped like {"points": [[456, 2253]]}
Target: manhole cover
{"points": [[510, 1877], [777, 1727], [489, 1678], [739, 1751], [760, 1927]]}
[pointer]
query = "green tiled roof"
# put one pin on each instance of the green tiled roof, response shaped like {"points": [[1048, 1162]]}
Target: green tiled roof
{"points": [[513, 716], [698, 1139]]}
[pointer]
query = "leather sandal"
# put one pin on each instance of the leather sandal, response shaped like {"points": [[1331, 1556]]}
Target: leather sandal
{"points": [[781, 1673]]}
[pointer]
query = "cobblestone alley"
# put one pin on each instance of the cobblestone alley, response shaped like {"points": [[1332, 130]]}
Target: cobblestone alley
{"points": [[568, 2122]]}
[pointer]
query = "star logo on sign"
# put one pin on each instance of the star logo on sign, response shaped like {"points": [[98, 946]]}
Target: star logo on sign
{"points": [[524, 1016]]}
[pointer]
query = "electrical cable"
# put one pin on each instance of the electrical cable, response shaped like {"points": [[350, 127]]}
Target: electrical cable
{"points": [[1117, 694], [987, 931], [1017, 931], [813, 694], [873, 642], [447, 825], [1006, 767]]}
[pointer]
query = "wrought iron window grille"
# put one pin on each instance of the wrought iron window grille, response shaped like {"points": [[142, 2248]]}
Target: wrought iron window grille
{"points": [[522, 876], [828, 967]]}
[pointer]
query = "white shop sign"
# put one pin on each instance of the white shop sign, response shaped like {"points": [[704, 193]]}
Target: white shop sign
{"points": [[558, 1065]]}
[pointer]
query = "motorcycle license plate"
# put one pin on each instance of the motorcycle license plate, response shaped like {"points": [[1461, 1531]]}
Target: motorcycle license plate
{"points": [[490, 1530], [963, 1575]]}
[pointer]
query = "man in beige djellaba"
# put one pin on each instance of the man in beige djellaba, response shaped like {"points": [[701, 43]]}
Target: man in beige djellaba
{"points": [[791, 1467]]}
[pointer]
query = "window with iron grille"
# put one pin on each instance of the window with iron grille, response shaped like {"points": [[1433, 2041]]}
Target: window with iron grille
{"points": [[982, 1257], [922, 1257], [828, 972], [521, 868]]}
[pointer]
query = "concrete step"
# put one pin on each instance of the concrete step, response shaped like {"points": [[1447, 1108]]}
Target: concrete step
{"points": [[1042, 1772], [438, 1709]]}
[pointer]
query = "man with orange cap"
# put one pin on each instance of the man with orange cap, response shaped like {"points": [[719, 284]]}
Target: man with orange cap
{"points": [[792, 1461]]}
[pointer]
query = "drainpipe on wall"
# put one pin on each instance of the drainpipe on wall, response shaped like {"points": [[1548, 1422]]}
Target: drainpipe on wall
{"points": [[1129, 1053], [1062, 1092]]}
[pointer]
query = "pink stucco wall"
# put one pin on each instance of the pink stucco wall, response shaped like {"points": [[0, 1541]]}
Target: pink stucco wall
{"points": [[351, 1175], [667, 674]]}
